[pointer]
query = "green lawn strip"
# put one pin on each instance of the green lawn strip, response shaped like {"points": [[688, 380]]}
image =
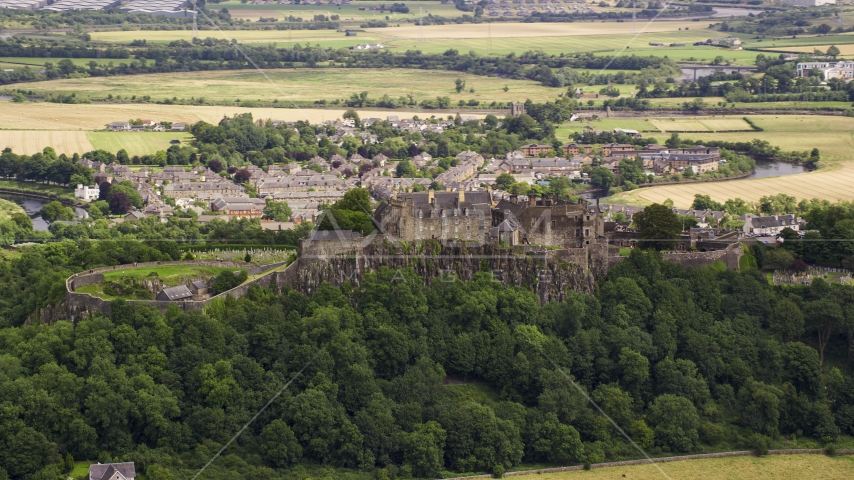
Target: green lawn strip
{"points": [[38, 188], [7, 208]]}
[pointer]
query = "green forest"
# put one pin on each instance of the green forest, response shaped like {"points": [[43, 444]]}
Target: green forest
{"points": [[393, 378]]}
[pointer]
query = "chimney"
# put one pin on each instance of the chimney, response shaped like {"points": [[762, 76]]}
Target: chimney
{"points": [[462, 196], [394, 194], [431, 198]]}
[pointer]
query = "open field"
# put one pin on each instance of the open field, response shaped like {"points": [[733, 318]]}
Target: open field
{"points": [[690, 53], [803, 40], [301, 85], [721, 124], [834, 181], [790, 467], [528, 30], [54, 116], [346, 12], [843, 49], [243, 36], [81, 62], [28, 142], [136, 143], [608, 124]]}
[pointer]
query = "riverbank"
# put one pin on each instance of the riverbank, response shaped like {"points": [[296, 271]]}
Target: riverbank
{"points": [[9, 208], [43, 191]]}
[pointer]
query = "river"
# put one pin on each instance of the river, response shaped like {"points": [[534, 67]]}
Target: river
{"points": [[764, 168], [33, 207]]}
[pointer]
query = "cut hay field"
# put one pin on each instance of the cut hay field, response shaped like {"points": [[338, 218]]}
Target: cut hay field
{"points": [[557, 39], [834, 181], [790, 467], [301, 85], [322, 37], [718, 124], [28, 142], [136, 143], [54, 116]]}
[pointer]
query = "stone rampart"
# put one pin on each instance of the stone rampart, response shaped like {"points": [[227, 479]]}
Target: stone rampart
{"points": [[80, 305], [730, 256]]}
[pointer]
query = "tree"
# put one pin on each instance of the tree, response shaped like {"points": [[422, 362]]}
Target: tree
{"points": [[802, 367], [602, 177], [54, 211], [823, 317], [215, 165], [705, 202], [759, 405], [504, 181], [277, 211], [659, 227], [787, 321], [674, 420], [833, 51], [242, 176], [673, 141], [423, 449], [460, 84], [351, 114], [225, 281], [120, 204], [279, 445], [127, 188]]}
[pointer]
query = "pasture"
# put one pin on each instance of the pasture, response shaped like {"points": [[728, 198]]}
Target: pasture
{"points": [[329, 38], [345, 12], [700, 124], [28, 142], [843, 49], [136, 143], [833, 181], [301, 85], [791, 467]]}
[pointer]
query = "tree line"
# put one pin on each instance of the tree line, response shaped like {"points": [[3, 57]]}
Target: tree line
{"points": [[682, 359]]}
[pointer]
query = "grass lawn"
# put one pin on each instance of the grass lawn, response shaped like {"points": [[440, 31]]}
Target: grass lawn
{"points": [[57, 191], [790, 467], [7, 208], [80, 468], [302, 85], [832, 181], [700, 124], [625, 251], [171, 275], [609, 124], [136, 143]]}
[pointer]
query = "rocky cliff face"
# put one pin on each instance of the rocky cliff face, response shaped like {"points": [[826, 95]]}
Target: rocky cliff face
{"points": [[550, 273]]}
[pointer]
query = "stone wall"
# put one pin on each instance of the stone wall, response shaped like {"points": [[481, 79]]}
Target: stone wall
{"points": [[80, 305], [729, 256]]}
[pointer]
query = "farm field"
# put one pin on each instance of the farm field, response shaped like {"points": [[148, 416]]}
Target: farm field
{"points": [[346, 12], [791, 467], [304, 85], [833, 181], [803, 40], [28, 142], [281, 37], [700, 124], [606, 124], [843, 49], [136, 143], [563, 39], [528, 30], [690, 53], [80, 62], [54, 116]]}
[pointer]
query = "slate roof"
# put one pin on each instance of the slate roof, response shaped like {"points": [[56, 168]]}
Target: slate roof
{"points": [[99, 471], [449, 201], [177, 293]]}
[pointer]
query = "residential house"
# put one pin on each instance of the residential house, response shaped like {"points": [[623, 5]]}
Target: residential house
{"points": [[112, 471], [240, 207], [534, 150], [607, 150], [178, 127], [119, 126], [88, 194], [771, 225]]}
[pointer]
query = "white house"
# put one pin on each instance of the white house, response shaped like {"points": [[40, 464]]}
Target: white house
{"points": [[842, 69], [87, 193], [112, 471], [771, 225]]}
